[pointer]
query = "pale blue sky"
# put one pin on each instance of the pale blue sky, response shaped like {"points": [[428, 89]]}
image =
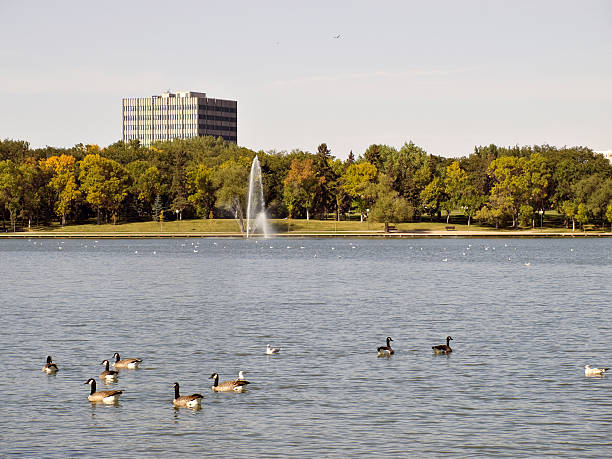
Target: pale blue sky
{"points": [[447, 75]]}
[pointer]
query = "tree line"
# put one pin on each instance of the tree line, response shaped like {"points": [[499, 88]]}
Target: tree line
{"points": [[207, 177]]}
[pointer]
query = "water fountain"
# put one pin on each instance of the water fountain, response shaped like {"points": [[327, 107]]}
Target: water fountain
{"points": [[256, 210]]}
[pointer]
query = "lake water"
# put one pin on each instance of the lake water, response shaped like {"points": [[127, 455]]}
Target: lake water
{"points": [[525, 315]]}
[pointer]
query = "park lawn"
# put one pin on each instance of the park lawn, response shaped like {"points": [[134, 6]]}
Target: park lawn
{"points": [[183, 226], [225, 226], [551, 223]]}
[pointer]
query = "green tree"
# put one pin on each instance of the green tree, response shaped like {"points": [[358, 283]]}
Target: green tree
{"points": [[126, 152], [595, 192], [301, 186], [569, 208], [432, 197], [389, 206], [519, 181], [357, 180], [178, 187], [342, 200], [105, 184], [455, 183], [324, 195], [471, 202], [157, 208], [350, 159], [609, 215], [582, 215], [496, 211], [201, 188], [146, 185], [374, 156], [10, 189], [33, 187], [231, 180], [14, 150], [409, 169], [526, 213]]}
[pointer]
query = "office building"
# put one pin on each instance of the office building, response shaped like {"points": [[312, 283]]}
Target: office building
{"points": [[180, 115]]}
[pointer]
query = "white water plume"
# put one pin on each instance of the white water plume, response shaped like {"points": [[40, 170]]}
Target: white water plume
{"points": [[256, 222]]}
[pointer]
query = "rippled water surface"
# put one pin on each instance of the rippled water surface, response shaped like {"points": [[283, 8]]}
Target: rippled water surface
{"points": [[525, 315]]}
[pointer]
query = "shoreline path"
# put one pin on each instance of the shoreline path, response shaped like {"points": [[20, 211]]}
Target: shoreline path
{"points": [[416, 234]]}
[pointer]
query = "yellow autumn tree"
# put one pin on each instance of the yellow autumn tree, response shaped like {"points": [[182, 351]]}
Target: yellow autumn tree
{"points": [[63, 180]]}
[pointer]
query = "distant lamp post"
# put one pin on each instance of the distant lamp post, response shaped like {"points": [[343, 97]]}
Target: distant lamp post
{"points": [[177, 220], [541, 212]]}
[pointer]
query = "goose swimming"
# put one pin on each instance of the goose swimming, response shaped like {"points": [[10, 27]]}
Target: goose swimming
{"points": [[237, 385], [386, 351], [108, 375], [272, 350], [50, 368], [588, 371], [104, 396], [189, 401], [443, 348], [125, 363]]}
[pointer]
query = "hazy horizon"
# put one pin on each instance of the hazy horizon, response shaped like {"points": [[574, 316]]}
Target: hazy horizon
{"points": [[445, 75]]}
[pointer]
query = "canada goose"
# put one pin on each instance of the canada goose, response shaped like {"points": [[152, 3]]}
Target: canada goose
{"points": [[50, 368], [190, 401], [588, 371], [272, 350], [125, 363], [386, 351], [104, 396], [108, 375], [236, 385], [443, 348]]}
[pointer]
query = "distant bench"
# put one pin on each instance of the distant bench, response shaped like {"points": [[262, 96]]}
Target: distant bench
{"points": [[450, 228], [389, 228]]}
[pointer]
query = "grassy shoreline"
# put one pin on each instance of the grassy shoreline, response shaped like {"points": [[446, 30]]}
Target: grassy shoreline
{"points": [[290, 228]]}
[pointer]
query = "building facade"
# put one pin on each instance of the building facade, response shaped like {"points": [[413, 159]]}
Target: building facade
{"points": [[180, 115]]}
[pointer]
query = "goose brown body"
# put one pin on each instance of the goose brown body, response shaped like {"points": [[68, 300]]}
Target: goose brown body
{"points": [[190, 401], [50, 367], [236, 385], [386, 351], [107, 374], [120, 363], [443, 348], [104, 396]]}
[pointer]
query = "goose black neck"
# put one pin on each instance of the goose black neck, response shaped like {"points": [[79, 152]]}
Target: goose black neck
{"points": [[216, 381], [448, 338], [106, 366], [176, 391], [49, 360], [117, 358], [93, 386]]}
